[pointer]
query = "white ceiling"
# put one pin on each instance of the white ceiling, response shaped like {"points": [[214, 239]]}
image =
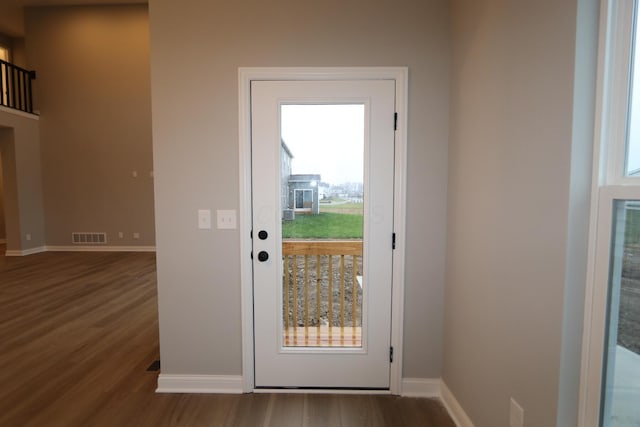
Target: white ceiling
{"points": [[11, 16]]}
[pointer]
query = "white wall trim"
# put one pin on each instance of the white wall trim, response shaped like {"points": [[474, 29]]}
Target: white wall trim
{"points": [[226, 384], [233, 384], [246, 273], [454, 408], [436, 388], [18, 252], [77, 248], [608, 143], [319, 391], [401, 76], [245, 76], [19, 113], [421, 387]]}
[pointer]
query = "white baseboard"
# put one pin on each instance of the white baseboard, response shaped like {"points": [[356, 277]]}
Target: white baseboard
{"points": [[319, 391], [76, 248], [224, 384], [456, 411], [436, 388], [18, 252], [232, 384], [80, 248], [421, 387]]}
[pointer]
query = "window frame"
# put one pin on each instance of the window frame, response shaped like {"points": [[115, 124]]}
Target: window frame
{"points": [[616, 97], [295, 198], [609, 184]]}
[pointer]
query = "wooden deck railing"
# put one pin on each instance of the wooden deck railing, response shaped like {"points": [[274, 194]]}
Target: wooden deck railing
{"points": [[322, 294]]}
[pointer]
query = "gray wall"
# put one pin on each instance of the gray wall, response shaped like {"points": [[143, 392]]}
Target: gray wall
{"points": [[22, 181], [197, 47], [11, 20], [18, 53], [93, 92], [521, 120], [5, 41], [16, 49]]}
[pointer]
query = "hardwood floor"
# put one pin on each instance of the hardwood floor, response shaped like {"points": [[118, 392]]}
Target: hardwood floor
{"points": [[78, 331]]}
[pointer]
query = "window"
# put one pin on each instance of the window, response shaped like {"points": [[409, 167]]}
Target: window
{"points": [[304, 199], [611, 363], [4, 56], [632, 166]]}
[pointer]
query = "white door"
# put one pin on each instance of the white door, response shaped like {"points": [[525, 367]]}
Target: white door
{"points": [[322, 195]]}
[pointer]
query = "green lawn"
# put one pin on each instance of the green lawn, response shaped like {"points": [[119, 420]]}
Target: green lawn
{"points": [[632, 227], [350, 208], [326, 225]]}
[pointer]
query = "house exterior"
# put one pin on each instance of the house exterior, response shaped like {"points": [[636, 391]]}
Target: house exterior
{"points": [[299, 193], [303, 193], [285, 166]]}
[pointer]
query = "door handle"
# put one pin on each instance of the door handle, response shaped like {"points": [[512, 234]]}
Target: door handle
{"points": [[263, 256]]}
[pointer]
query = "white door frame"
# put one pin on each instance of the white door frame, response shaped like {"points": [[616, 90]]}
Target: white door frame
{"points": [[245, 76]]}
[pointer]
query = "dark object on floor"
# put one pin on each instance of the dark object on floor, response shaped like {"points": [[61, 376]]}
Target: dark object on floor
{"points": [[154, 367]]}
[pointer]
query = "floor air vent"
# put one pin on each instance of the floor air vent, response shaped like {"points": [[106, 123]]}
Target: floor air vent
{"points": [[88, 238], [154, 367]]}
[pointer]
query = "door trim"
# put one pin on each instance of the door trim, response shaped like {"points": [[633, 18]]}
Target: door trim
{"points": [[245, 76]]}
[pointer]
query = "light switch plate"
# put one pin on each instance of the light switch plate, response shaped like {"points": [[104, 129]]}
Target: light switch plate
{"points": [[204, 219], [226, 219]]}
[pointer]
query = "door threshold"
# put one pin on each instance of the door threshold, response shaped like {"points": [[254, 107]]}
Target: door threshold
{"points": [[320, 390]]}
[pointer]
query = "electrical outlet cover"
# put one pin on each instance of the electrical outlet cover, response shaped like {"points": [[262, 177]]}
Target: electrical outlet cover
{"points": [[226, 219], [204, 219]]}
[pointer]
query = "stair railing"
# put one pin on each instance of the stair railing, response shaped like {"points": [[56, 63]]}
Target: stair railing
{"points": [[16, 90]]}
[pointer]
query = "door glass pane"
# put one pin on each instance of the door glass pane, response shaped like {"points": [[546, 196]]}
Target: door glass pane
{"points": [[633, 139], [621, 394], [322, 164]]}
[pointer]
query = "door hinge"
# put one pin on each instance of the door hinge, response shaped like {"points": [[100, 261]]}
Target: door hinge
{"points": [[390, 354], [393, 240], [395, 121]]}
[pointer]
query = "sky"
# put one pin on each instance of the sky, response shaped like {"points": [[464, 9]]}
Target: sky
{"points": [[326, 140], [633, 144]]}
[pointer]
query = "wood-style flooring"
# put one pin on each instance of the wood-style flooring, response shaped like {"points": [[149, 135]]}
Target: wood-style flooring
{"points": [[78, 331]]}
